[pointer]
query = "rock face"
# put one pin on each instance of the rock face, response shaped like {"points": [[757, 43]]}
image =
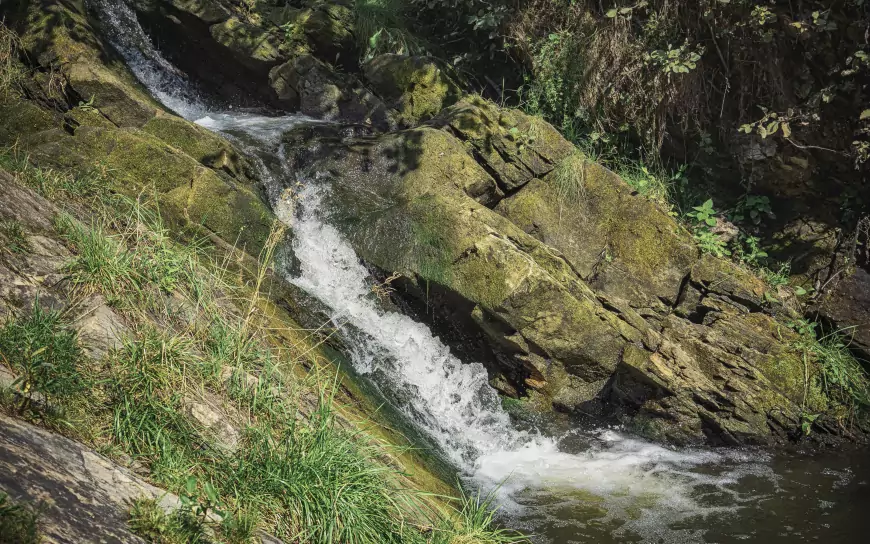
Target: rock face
{"points": [[586, 295], [514, 147], [86, 498], [309, 85]]}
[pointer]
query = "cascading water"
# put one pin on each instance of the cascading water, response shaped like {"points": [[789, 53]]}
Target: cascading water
{"points": [[611, 488]]}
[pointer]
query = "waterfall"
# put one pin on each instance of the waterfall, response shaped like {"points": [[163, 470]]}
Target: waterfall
{"points": [[643, 489]]}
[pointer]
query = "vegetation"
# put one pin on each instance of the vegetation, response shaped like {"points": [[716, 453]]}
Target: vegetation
{"points": [[52, 183], [45, 356], [198, 331], [19, 523], [843, 377], [13, 237]]}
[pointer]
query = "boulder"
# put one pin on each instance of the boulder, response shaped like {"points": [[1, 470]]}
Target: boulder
{"points": [[414, 86], [514, 146], [253, 45], [317, 90]]}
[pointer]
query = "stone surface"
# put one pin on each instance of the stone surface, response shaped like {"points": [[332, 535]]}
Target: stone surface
{"points": [[513, 146], [414, 86], [596, 300], [86, 498], [317, 90]]}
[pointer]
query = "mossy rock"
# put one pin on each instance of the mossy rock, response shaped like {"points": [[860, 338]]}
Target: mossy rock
{"points": [[407, 202], [514, 146], [314, 88], [234, 214], [59, 35], [253, 45], [414, 86], [20, 119], [622, 245], [199, 143], [138, 162], [208, 11], [102, 89]]}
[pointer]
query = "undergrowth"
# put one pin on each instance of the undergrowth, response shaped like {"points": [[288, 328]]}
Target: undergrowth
{"points": [[842, 376], [52, 183]]}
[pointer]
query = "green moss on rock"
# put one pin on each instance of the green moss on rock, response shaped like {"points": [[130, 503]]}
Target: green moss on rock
{"points": [[414, 86], [252, 44], [623, 245], [200, 144]]}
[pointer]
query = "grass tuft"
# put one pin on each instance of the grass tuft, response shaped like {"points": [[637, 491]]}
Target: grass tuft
{"points": [[12, 72], [12, 233], [45, 356]]}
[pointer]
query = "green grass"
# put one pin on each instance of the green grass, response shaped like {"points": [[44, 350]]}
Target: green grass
{"points": [[14, 238], [843, 375], [54, 184], [44, 354], [19, 523]]}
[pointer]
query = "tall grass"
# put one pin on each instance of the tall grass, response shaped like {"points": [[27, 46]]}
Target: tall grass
{"points": [[11, 70]]}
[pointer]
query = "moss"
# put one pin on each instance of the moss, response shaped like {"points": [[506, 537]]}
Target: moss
{"points": [[233, 213], [623, 243], [200, 144], [513, 145], [59, 36], [88, 117], [414, 86], [249, 42], [117, 100], [20, 119]]}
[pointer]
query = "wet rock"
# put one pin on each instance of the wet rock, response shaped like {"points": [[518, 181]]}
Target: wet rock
{"points": [[317, 90]]}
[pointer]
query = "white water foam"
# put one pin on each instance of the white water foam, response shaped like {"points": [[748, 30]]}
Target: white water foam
{"points": [[166, 83]]}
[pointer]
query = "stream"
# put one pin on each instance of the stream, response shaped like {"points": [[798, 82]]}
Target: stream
{"points": [[563, 486]]}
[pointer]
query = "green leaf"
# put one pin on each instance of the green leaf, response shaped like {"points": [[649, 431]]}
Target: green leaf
{"points": [[800, 291], [612, 13], [786, 129], [710, 222], [865, 114]]}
